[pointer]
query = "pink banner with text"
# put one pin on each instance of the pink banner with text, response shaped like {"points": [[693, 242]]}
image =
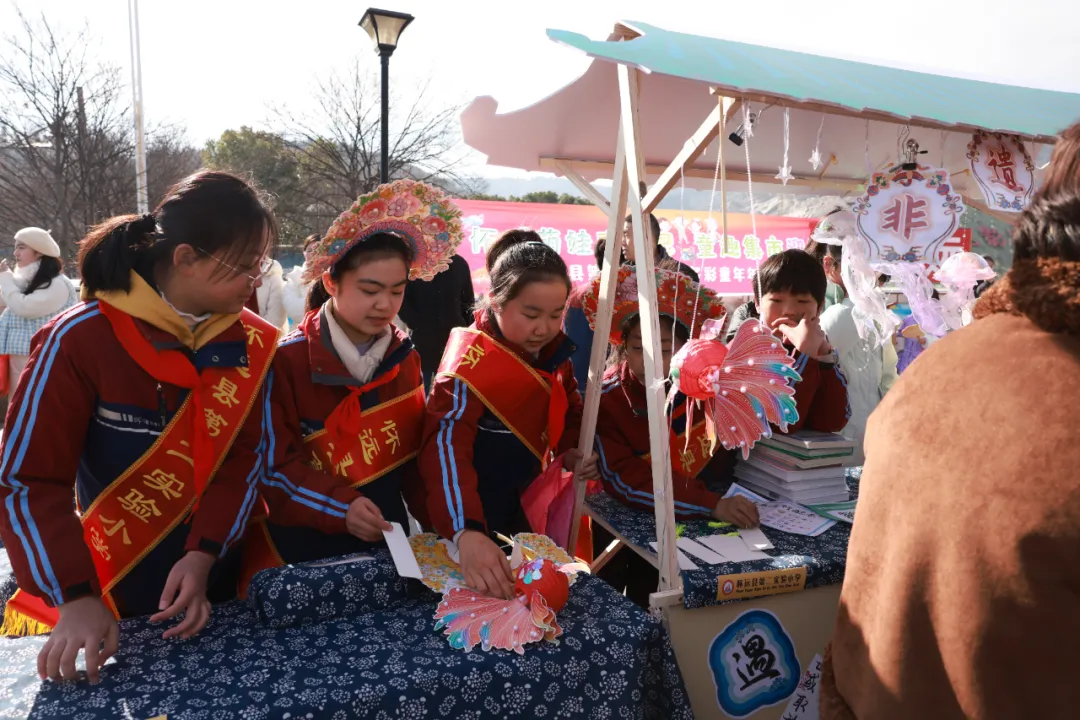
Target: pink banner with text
{"points": [[693, 237]]}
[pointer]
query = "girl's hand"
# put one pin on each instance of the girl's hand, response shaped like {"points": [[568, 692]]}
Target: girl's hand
{"points": [[589, 470], [738, 511], [485, 566], [4, 266], [806, 335], [84, 624], [364, 520], [186, 590]]}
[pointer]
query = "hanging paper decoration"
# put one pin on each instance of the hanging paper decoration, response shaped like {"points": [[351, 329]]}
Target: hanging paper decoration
{"points": [[907, 213], [746, 386], [785, 169], [1003, 169], [960, 273], [815, 157]]}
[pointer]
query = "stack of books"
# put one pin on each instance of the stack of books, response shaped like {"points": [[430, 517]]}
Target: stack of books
{"points": [[806, 467]]}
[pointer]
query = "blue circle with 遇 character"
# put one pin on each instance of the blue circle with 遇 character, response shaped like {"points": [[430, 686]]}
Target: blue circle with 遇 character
{"points": [[753, 664]]}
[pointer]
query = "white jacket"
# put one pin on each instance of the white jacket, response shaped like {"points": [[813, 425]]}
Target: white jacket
{"points": [[870, 371], [271, 297], [296, 292], [43, 302]]}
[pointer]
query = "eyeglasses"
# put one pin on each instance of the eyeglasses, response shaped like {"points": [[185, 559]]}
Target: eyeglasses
{"points": [[264, 266]]}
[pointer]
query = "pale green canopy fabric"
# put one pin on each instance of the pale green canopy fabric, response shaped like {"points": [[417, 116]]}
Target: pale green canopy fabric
{"points": [[739, 67]]}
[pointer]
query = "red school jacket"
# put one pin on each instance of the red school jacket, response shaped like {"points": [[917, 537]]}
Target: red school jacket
{"points": [[622, 442], [473, 467], [85, 412], [821, 396], [307, 506]]}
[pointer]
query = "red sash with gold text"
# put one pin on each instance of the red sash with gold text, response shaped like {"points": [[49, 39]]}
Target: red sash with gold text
{"points": [[689, 457], [142, 506], [519, 395], [390, 436]]}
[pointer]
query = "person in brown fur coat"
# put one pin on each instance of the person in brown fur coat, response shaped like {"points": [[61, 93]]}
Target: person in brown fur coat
{"points": [[962, 593]]}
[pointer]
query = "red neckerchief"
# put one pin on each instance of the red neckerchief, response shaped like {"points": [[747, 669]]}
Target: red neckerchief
{"points": [[175, 368]]}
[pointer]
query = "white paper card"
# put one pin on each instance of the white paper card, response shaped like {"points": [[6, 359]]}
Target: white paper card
{"points": [[685, 563], [805, 703], [699, 551], [402, 552], [732, 547], [737, 489], [755, 539]]}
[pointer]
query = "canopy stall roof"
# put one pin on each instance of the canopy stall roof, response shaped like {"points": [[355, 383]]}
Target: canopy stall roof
{"points": [[577, 126]]}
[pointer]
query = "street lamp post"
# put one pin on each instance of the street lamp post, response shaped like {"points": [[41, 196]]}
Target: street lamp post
{"points": [[385, 27]]}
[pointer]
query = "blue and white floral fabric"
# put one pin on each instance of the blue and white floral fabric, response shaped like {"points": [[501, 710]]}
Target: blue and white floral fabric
{"points": [[308, 593], [614, 661], [824, 556]]}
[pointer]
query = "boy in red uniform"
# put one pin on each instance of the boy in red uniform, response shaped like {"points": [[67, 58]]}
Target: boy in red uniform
{"points": [[140, 400], [346, 393]]}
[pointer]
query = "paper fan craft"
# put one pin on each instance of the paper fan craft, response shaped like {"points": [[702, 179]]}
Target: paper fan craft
{"points": [[420, 214], [543, 573], [745, 386], [678, 297]]}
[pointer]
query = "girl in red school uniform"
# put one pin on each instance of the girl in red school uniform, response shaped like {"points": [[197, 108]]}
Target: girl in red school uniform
{"points": [[139, 399], [503, 402], [346, 393], [622, 428]]}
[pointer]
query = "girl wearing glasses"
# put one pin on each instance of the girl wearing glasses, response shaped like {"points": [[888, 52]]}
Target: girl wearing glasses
{"points": [[139, 398], [346, 391]]}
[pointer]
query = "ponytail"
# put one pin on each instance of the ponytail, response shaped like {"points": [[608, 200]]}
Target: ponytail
{"points": [[518, 258], [114, 248]]}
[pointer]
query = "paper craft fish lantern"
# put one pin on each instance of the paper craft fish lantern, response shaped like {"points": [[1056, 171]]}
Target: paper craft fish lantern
{"points": [[469, 619], [745, 386]]}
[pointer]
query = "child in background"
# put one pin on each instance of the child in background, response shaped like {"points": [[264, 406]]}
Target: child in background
{"points": [[578, 328], [870, 369], [346, 390], [789, 292], [139, 398], [622, 429], [505, 397]]}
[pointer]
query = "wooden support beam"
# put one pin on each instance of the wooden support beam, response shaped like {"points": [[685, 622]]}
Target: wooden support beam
{"points": [[598, 357], [605, 557], [691, 151], [605, 167], [645, 260], [592, 194]]}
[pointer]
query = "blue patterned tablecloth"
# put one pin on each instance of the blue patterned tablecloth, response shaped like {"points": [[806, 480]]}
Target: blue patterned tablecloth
{"points": [[824, 556], [614, 661]]}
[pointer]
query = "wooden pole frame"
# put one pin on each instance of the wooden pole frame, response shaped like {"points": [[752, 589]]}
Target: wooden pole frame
{"points": [[598, 357], [645, 260]]}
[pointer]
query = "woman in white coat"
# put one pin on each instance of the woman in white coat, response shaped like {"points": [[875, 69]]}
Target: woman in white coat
{"points": [[271, 297], [34, 293]]}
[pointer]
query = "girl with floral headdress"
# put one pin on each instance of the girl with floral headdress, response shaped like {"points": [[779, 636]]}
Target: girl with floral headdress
{"points": [[346, 394], [503, 403]]}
